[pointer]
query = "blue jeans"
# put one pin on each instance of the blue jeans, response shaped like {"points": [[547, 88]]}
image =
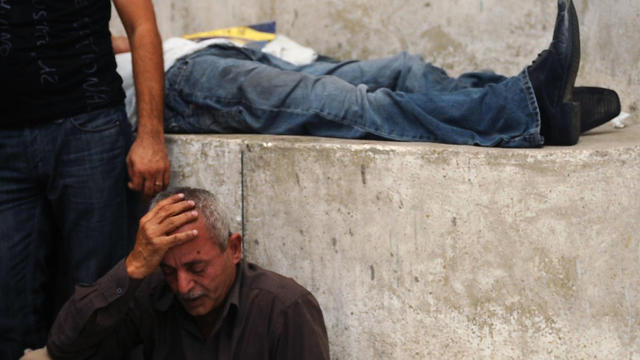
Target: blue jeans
{"points": [[225, 89], [63, 217]]}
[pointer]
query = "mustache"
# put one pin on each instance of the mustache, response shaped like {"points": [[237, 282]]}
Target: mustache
{"points": [[192, 295]]}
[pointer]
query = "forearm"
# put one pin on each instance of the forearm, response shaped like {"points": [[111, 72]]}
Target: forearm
{"points": [[85, 325], [148, 71], [147, 162]]}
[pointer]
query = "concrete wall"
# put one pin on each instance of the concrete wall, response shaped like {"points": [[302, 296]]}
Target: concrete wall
{"points": [[459, 35], [428, 251], [421, 251]]}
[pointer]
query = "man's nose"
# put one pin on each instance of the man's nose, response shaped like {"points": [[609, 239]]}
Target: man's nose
{"points": [[184, 282]]}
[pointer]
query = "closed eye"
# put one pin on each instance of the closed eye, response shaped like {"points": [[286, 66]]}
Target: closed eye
{"points": [[196, 267]]}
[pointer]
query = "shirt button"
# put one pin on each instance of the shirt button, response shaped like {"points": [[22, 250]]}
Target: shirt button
{"points": [[119, 291]]}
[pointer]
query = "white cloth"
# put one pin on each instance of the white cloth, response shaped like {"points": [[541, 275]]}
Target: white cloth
{"points": [[175, 48], [289, 50], [172, 49]]}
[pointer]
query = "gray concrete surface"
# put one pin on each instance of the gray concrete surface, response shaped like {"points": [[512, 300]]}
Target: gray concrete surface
{"points": [[459, 35], [419, 251]]}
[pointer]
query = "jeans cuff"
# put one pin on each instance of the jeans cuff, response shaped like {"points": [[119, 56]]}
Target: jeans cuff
{"points": [[532, 137]]}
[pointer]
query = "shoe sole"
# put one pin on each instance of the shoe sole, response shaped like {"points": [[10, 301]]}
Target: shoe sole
{"points": [[597, 106]]}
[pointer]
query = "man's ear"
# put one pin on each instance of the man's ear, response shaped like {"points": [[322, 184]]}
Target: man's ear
{"points": [[234, 244]]}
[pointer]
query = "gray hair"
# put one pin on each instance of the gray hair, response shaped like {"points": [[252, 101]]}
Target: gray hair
{"points": [[209, 208]]}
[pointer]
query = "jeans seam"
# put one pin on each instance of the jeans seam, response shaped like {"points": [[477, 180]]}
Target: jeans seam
{"points": [[113, 125], [531, 137], [533, 107], [330, 117]]}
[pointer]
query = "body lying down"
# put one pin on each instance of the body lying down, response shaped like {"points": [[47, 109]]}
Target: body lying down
{"points": [[218, 86]]}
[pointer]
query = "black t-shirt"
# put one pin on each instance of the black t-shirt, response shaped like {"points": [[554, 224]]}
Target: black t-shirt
{"points": [[56, 60]]}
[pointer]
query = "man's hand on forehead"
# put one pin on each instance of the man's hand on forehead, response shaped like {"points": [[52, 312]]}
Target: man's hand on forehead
{"points": [[156, 234]]}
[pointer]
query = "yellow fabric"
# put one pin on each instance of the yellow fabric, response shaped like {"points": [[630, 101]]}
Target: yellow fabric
{"points": [[238, 33]]}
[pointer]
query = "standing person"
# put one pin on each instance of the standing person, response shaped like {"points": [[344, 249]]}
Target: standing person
{"points": [[65, 151]]}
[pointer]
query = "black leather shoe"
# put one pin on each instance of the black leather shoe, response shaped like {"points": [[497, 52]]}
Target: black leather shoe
{"points": [[597, 106], [553, 75]]}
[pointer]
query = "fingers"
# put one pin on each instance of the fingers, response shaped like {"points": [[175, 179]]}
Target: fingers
{"points": [[148, 166], [152, 187], [179, 238], [166, 178], [161, 183], [147, 185], [149, 188], [135, 180], [149, 181], [169, 215], [174, 222], [163, 204], [173, 210]]}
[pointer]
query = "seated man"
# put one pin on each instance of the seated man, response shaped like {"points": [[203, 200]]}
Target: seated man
{"points": [[205, 303], [228, 89]]}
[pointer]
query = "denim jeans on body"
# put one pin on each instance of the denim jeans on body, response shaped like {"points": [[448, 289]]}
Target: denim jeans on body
{"points": [[63, 217], [224, 89]]}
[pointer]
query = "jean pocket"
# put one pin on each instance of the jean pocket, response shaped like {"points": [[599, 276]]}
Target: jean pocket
{"points": [[97, 121], [177, 73]]}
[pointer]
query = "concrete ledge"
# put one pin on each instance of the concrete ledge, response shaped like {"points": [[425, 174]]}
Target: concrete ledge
{"points": [[421, 251]]}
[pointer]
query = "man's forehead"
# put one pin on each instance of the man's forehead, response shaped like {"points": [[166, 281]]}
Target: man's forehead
{"points": [[192, 251]]}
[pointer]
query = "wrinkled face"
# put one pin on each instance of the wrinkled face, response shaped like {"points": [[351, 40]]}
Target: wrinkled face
{"points": [[198, 272]]}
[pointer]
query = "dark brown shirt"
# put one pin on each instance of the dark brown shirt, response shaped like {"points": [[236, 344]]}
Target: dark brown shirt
{"points": [[265, 316]]}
